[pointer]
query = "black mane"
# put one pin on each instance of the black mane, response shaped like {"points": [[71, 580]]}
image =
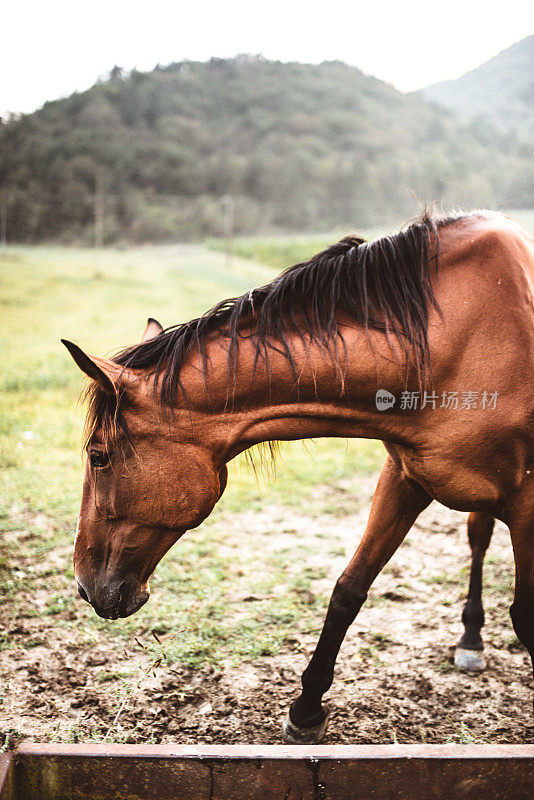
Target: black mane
{"points": [[382, 285]]}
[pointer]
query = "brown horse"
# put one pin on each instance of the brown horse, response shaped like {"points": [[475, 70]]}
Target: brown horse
{"points": [[424, 340]]}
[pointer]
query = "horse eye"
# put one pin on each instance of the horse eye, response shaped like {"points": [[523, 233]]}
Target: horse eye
{"points": [[99, 458]]}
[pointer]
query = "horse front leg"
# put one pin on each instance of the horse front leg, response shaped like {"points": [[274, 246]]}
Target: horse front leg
{"points": [[469, 650], [397, 503]]}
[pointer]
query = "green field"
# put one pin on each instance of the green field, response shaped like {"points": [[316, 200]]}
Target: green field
{"points": [[281, 252], [101, 301]]}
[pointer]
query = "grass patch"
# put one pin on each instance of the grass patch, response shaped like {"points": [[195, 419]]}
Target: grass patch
{"points": [[282, 252]]}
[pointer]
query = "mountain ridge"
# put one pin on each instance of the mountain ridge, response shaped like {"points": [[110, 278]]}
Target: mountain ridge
{"points": [[500, 90], [296, 146]]}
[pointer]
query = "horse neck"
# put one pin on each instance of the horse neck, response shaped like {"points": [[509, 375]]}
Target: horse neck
{"points": [[258, 401]]}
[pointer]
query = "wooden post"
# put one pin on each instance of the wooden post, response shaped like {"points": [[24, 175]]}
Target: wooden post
{"points": [[99, 218], [3, 220], [229, 211]]}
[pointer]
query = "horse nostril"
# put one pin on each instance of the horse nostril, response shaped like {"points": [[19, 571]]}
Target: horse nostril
{"points": [[125, 592], [82, 592]]}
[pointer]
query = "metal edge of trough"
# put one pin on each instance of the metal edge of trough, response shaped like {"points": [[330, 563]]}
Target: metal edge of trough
{"points": [[261, 772]]}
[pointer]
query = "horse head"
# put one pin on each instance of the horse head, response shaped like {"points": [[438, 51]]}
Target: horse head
{"points": [[147, 480]]}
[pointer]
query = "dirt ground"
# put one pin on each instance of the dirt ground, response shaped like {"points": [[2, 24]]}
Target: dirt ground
{"points": [[395, 679]]}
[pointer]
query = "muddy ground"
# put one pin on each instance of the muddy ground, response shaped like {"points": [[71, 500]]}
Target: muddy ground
{"points": [[395, 679]]}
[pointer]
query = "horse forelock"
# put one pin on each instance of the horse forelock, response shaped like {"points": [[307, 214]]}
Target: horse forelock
{"points": [[104, 418]]}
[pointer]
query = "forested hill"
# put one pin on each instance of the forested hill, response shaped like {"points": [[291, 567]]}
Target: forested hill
{"points": [[295, 147], [501, 90]]}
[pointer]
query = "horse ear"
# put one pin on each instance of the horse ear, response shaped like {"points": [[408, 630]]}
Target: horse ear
{"points": [[101, 370], [153, 329]]}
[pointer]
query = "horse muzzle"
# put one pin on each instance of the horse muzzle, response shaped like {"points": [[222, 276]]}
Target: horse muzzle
{"points": [[115, 600]]}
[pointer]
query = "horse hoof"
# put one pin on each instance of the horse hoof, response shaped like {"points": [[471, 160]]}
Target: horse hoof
{"points": [[469, 660], [294, 735]]}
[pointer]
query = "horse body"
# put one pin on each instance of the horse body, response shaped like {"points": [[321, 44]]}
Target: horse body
{"points": [[482, 341], [243, 378]]}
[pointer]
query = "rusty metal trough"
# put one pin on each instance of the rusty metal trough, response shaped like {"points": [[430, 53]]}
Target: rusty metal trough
{"points": [[270, 772]]}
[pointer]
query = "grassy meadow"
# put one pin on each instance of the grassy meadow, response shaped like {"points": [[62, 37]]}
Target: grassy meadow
{"points": [[101, 301], [281, 252]]}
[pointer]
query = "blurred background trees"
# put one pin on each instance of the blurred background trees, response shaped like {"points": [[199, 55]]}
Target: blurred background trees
{"points": [[296, 146]]}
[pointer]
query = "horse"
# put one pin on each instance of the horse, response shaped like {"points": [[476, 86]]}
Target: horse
{"points": [[423, 339]]}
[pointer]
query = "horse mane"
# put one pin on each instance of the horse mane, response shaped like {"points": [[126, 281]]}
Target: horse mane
{"points": [[382, 285]]}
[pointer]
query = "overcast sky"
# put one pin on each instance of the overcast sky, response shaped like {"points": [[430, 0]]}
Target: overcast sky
{"points": [[50, 49]]}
